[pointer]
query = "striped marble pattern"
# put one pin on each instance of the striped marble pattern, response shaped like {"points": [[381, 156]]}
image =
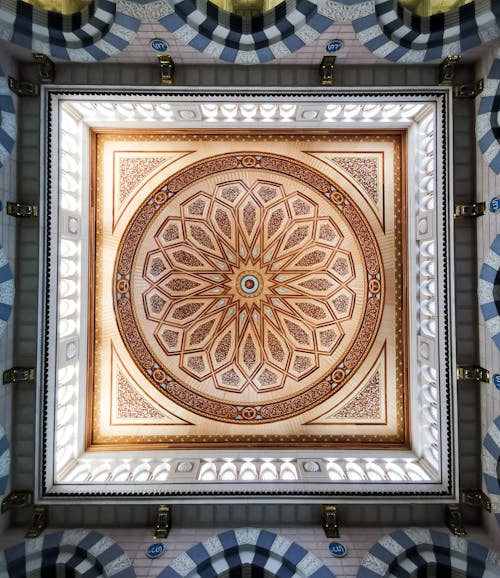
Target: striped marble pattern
{"points": [[487, 124], [82, 553], [489, 291], [261, 550], [227, 36], [8, 122], [491, 462], [420, 552], [4, 463], [6, 291], [100, 30], [396, 34]]}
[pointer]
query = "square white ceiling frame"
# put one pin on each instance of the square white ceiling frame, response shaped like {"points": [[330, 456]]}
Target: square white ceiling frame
{"points": [[65, 472]]}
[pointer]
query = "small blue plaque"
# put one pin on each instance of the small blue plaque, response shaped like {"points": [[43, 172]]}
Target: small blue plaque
{"points": [[337, 549], [496, 380], [155, 550], [334, 46], [495, 205], [159, 45]]}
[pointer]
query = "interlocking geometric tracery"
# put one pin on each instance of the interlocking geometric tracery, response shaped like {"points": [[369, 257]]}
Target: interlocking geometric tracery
{"points": [[249, 286], [253, 297]]}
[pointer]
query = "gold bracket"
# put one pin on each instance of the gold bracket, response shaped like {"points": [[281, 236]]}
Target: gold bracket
{"points": [[475, 497], [473, 373], [46, 68], [22, 210], [167, 69], [17, 374], [17, 499], [326, 70], [463, 211], [468, 90], [163, 523], [39, 521], [454, 520], [23, 88], [447, 69], [330, 522]]}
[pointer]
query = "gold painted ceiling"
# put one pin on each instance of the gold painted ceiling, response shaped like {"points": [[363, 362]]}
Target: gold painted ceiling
{"points": [[248, 290]]}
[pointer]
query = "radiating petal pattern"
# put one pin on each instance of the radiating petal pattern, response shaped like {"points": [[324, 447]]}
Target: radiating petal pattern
{"points": [[250, 286]]}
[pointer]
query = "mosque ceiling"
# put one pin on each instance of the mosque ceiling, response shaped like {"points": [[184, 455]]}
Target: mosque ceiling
{"points": [[235, 294], [248, 289]]}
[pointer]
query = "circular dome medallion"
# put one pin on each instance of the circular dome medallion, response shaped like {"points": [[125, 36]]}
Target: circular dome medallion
{"points": [[249, 288]]}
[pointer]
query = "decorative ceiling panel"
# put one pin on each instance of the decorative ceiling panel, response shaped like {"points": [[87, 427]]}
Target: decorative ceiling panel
{"points": [[248, 289]]}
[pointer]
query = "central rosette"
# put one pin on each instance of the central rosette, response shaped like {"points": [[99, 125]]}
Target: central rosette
{"points": [[247, 286]]}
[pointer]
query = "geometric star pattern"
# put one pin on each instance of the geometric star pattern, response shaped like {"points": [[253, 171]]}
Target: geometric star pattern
{"points": [[248, 288], [249, 285]]}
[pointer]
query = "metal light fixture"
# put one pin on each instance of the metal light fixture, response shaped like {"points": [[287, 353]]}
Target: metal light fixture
{"points": [[23, 88], [163, 523], [22, 210], [326, 70], [46, 68], [17, 374], [167, 69], [39, 521], [330, 521], [447, 69]]}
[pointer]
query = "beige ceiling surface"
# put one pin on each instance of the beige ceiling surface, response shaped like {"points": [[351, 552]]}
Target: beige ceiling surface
{"points": [[251, 297]]}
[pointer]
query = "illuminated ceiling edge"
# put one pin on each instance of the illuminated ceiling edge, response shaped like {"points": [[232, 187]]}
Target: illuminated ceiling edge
{"points": [[434, 452]]}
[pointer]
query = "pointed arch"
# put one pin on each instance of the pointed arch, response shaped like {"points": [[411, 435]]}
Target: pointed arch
{"points": [[487, 124], [246, 547], [4, 462], [413, 551], [8, 122], [489, 285], [491, 466], [101, 29], [6, 291], [80, 552], [396, 34], [220, 34]]}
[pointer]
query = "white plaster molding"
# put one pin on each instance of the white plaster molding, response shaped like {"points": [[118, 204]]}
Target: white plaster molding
{"points": [[68, 471]]}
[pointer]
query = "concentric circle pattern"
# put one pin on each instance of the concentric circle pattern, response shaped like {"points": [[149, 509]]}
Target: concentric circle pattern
{"points": [[248, 289]]}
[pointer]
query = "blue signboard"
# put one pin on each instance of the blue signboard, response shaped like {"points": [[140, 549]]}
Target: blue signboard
{"points": [[495, 205], [337, 549], [334, 46], [159, 45], [496, 380], [155, 550]]}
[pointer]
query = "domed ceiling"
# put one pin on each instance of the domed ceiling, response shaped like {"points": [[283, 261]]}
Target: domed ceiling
{"points": [[248, 290]]}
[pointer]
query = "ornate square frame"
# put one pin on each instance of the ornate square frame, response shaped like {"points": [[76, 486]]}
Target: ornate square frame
{"points": [[66, 471]]}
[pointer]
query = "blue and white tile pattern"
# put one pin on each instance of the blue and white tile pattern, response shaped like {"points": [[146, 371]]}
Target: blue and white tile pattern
{"points": [[4, 463], [420, 552], [491, 466], [489, 291], [487, 124], [101, 29], [82, 553], [227, 36], [259, 549], [8, 123], [396, 34], [6, 291]]}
